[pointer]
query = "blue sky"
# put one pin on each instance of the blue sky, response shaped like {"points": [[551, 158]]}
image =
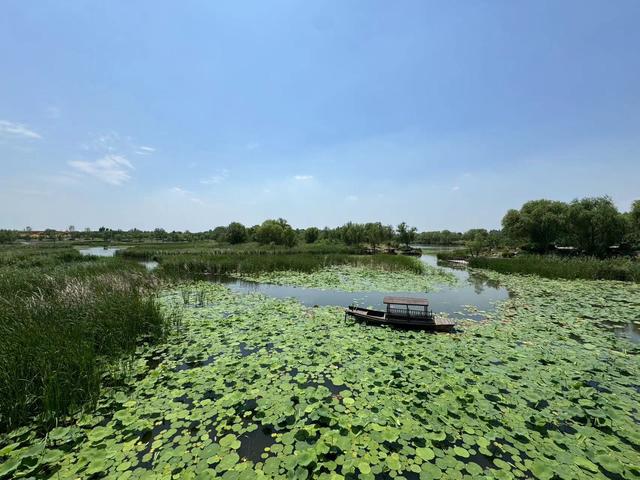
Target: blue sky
{"points": [[188, 115]]}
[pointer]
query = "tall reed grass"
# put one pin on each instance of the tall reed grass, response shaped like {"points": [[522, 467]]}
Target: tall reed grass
{"points": [[196, 264], [550, 266], [160, 251], [59, 322]]}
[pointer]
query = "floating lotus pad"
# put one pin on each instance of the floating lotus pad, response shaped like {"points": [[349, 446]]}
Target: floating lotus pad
{"points": [[540, 391], [360, 279]]}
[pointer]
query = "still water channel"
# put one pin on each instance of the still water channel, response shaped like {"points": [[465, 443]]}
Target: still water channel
{"points": [[473, 290], [474, 295]]}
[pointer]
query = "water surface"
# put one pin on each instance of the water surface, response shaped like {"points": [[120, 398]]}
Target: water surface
{"points": [[473, 290], [99, 251]]}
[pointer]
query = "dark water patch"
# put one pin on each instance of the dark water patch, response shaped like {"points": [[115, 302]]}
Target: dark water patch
{"points": [[597, 386], [253, 444], [333, 388], [147, 438], [483, 461], [188, 366], [184, 399]]}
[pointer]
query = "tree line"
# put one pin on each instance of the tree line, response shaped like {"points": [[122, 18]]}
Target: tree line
{"points": [[592, 226], [589, 225]]}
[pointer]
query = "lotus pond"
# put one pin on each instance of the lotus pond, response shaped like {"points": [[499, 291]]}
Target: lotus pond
{"points": [[454, 292], [256, 387]]}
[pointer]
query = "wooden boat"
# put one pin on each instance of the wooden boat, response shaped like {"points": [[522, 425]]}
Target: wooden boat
{"points": [[403, 312]]}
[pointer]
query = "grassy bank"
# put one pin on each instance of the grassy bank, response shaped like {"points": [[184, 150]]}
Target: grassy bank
{"points": [[225, 264], [548, 266], [61, 315], [159, 251]]}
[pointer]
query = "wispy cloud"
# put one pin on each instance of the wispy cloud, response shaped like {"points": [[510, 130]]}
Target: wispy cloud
{"points": [[111, 169], [216, 179], [113, 143], [303, 178], [17, 130], [144, 150], [455, 188], [182, 192]]}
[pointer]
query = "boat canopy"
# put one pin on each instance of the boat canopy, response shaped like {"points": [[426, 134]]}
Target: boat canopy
{"points": [[412, 301]]}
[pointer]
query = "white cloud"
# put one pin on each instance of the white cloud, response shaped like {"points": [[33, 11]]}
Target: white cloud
{"points": [[303, 178], [179, 190], [455, 188], [112, 169], [182, 192], [216, 179], [143, 150], [16, 130]]}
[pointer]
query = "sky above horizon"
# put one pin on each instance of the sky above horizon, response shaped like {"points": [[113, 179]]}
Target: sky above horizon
{"points": [[188, 115]]}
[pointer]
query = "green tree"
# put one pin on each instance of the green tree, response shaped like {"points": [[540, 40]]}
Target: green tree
{"points": [[634, 222], [595, 224], [352, 233], [236, 233], [276, 232], [478, 244], [374, 234], [8, 236], [540, 223], [311, 235], [406, 234]]}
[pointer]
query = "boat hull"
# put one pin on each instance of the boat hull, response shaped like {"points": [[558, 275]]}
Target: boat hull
{"points": [[376, 317]]}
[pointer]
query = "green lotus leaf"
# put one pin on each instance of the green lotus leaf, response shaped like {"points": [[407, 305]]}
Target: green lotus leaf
{"points": [[586, 464], [609, 463], [425, 453], [437, 436], [228, 461], [230, 441], [305, 457], [393, 462], [461, 452], [542, 469], [9, 466]]}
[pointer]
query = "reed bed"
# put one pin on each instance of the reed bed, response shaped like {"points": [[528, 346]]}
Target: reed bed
{"points": [[549, 266], [159, 251], [60, 324], [227, 264]]}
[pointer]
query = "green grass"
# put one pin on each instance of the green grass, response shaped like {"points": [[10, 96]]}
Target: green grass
{"points": [[457, 254], [158, 251], [549, 266], [61, 317], [196, 264]]}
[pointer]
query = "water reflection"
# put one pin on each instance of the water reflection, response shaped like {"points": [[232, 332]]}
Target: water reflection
{"points": [[473, 290], [150, 264], [99, 251]]}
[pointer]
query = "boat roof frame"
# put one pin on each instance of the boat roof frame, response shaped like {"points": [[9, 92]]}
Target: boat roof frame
{"points": [[411, 301]]}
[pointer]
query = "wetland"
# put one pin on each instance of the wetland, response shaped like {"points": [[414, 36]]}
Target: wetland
{"points": [[259, 375]]}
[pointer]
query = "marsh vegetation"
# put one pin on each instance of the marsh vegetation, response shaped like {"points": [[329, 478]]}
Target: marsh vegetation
{"points": [[110, 370]]}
